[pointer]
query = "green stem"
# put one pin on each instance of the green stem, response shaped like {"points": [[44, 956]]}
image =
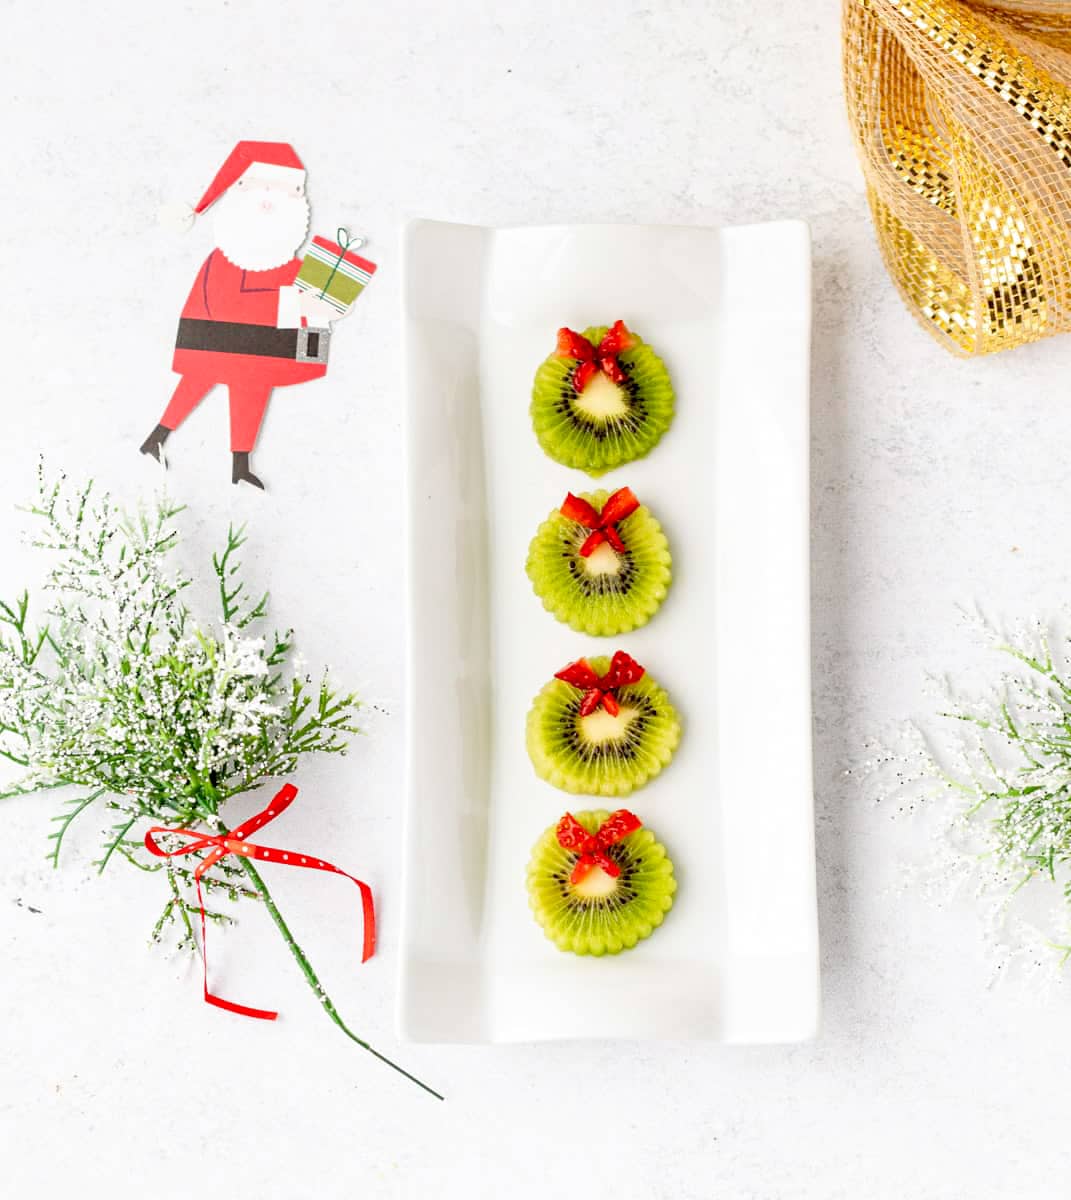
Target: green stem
{"points": [[313, 980]]}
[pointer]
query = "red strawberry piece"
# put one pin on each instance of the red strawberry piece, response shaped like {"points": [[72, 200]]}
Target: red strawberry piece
{"points": [[618, 506], [623, 670], [574, 345], [618, 825], [592, 849], [612, 370], [580, 872], [614, 538], [571, 834], [579, 674], [616, 340], [577, 509], [600, 691], [583, 375], [593, 541], [606, 862]]}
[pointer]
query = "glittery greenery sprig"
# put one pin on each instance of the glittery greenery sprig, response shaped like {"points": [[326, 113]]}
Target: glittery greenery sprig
{"points": [[995, 771], [128, 705]]}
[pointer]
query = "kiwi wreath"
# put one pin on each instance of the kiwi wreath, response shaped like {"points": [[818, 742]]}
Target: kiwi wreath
{"points": [[599, 882], [601, 563], [601, 399], [601, 727]]}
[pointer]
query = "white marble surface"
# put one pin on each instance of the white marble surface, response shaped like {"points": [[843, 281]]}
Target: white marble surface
{"points": [[935, 481]]}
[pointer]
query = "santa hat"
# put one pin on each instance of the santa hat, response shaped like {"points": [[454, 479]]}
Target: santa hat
{"points": [[270, 158]]}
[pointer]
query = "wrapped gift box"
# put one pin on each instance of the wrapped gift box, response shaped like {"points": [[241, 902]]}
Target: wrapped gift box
{"points": [[334, 272]]}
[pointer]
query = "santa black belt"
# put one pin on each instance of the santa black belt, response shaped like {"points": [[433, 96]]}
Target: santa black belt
{"points": [[264, 341]]}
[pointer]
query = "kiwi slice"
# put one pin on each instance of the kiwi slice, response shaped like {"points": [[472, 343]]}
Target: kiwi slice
{"points": [[619, 413], [605, 591], [600, 752], [600, 913]]}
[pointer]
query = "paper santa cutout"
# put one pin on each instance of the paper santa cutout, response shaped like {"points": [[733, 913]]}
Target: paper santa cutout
{"points": [[246, 324]]}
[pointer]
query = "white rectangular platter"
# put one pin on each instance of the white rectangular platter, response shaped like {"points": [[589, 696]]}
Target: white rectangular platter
{"points": [[729, 311]]}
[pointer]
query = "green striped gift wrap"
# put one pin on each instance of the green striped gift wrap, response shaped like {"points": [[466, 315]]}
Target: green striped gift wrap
{"points": [[335, 273]]}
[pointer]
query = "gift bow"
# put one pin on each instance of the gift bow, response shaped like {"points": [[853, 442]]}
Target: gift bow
{"points": [[344, 241], [600, 689], [592, 847], [618, 506], [236, 842], [592, 359]]}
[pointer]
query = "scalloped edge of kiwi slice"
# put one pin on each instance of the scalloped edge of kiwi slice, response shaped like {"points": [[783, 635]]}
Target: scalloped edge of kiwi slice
{"points": [[551, 388], [547, 881], [558, 774], [545, 553]]}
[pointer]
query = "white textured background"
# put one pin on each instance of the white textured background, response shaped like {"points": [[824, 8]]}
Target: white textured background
{"points": [[935, 481]]}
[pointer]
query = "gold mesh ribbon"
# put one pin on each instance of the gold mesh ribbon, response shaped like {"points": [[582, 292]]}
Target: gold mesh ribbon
{"points": [[961, 111]]}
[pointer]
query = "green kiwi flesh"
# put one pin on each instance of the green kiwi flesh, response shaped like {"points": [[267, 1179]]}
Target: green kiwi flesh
{"points": [[601, 755], [606, 593], [607, 424], [602, 915]]}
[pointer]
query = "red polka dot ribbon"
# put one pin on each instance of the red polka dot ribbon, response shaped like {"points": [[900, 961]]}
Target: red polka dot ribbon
{"points": [[237, 842]]}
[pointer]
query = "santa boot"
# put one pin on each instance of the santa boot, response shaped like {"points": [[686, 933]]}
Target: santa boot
{"points": [[154, 442], [240, 472]]}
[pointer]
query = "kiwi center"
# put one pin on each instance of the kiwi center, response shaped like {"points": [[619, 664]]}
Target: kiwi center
{"points": [[603, 399], [596, 885], [598, 737], [603, 560], [604, 572], [599, 726]]}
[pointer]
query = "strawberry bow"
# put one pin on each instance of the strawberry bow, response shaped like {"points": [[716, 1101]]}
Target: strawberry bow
{"points": [[592, 847], [600, 689], [591, 359], [618, 506]]}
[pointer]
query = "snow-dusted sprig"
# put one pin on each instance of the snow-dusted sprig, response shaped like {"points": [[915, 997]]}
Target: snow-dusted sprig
{"points": [[126, 701], [993, 772], [124, 692]]}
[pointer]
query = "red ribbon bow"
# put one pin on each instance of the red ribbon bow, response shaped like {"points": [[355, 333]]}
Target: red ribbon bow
{"points": [[592, 847], [618, 506], [590, 359], [236, 842], [600, 689]]}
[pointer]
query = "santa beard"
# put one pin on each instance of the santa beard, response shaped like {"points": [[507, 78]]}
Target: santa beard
{"points": [[254, 239]]}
